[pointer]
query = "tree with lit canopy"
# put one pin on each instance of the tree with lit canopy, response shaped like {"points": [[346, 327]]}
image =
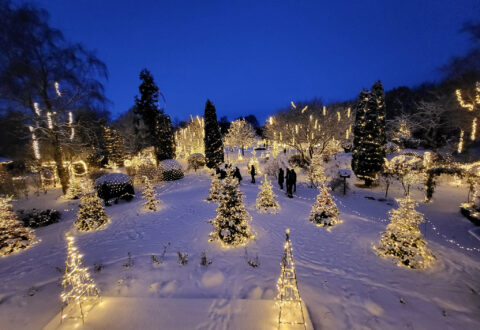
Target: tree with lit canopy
{"points": [[402, 238], [324, 210], [231, 223], [240, 134], [214, 154], [91, 214], [114, 146], [75, 189], [316, 172], [149, 195], [79, 291], [215, 188], [266, 198], [14, 236], [288, 298], [369, 134]]}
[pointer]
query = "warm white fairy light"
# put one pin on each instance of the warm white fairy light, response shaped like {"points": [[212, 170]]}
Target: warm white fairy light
{"points": [[270, 120], [316, 123], [49, 120], [324, 110], [474, 129], [70, 122], [288, 297], [460, 142], [79, 291], [293, 105], [349, 110], [463, 104], [57, 89], [36, 149], [347, 134], [305, 109], [37, 108], [339, 117]]}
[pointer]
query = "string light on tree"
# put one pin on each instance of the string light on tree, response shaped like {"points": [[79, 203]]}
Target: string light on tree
{"points": [[324, 110], [290, 303], [49, 120], [79, 291], [36, 107], [57, 89], [469, 106], [460, 142], [36, 149], [149, 195], [324, 211], [266, 202], [70, 124], [474, 129]]}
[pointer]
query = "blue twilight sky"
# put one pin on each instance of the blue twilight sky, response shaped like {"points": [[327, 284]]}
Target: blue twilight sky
{"points": [[257, 56]]}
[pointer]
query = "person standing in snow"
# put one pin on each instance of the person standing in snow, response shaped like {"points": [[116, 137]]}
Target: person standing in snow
{"points": [[252, 173], [237, 174], [281, 177], [289, 183], [294, 180]]}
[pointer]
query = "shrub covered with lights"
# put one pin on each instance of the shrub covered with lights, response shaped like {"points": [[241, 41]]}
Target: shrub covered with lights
{"points": [[171, 170], [13, 235], [402, 238], [91, 215], [196, 161], [114, 185], [215, 188], [74, 190], [37, 218], [231, 222], [266, 198], [149, 195], [324, 211]]}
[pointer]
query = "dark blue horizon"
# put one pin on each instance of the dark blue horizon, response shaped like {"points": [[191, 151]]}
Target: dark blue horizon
{"points": [[254, 57]]}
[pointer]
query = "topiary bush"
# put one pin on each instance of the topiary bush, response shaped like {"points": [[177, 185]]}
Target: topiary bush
{"points": [[196, 161], [37, 218], [171, 170], [114, 186]]}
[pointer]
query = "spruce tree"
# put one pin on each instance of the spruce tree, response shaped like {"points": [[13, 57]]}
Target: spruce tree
{"points": [[215, 188], [266, 198], [13, 235], [114, 146], [91, 215], [369, 134], [316, 171], [324, 210], [75, 188], [152, 126], [213, 138], [402, 238], [149, 195], [231, 222]]}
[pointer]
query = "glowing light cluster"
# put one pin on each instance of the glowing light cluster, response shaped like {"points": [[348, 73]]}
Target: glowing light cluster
{"points": [[470, 106], [79, 291], [36, 148], [57, 89], [70, 124], [288, 298], [266, 202], [189, 140], [37, 108], [460, 142]]}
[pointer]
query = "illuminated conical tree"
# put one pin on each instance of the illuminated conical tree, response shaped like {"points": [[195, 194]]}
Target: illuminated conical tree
{"points": [[13, 235], [114, 146], [266, 198], [316, 171], [215, 188], [403, 240], [79, 292], [74, 190], [91, 214], [231, 222], [291, 309], [324, 210], [149, 195]]}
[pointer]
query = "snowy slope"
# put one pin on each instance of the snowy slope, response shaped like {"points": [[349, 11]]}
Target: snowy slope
{"points": [[343, 283]]}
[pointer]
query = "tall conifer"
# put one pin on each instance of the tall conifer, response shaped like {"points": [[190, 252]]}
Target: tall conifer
{"points": [[213, 138]]}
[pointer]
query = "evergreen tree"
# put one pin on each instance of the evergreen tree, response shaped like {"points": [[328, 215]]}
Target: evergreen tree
{"points": [[266, 198], [369, 134], [75, 188], [149, 195], [215, 188], [114, 146], [79, 291], [91, 214], [213, 138], [316, 171], [152, 126], [231, 222], [403, 240], [324, 210], [13, 235]]}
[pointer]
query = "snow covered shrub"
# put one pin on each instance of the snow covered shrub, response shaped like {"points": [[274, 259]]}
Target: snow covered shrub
{"points": [[298, 161], [148, 170], [171, 169], [13, 235], [36, 218], [324, 210], [196, 161], [273, 165], [182, 258], [91, 215], [114, 185], [391, 148], [266, 202]]}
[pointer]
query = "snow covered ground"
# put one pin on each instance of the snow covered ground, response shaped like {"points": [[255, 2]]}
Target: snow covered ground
{"points": [[342, 282]]}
